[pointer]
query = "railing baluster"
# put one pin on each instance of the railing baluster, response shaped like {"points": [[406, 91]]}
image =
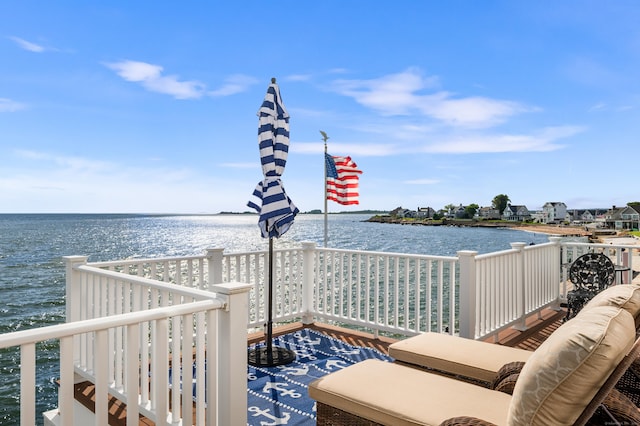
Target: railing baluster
{"points": [[339, 307], [417, 318], [65, 391], [452, 297], [358, 289], [386, 306], [375, 302], [27, 384], [178, 381], [348, 311], [159, 370], [131, 373], [212, 414], [187, 369], [102, 376], [200, 368]]}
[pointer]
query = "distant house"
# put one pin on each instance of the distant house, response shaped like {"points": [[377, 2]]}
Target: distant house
{"points": [[554, 212], [516, 213], [538, 216], [622, 218], [403, 213], [425, 212], [584, 215], [460, 212], [396, 211], [488, 213]]}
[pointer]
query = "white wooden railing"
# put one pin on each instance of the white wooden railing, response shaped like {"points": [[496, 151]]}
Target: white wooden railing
{"points": [[503, 288], [472, 295], [393, 292], [127, 334], [146, 310]]}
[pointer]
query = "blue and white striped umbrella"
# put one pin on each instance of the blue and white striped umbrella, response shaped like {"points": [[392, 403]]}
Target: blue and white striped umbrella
{"points": [[276, 209]]}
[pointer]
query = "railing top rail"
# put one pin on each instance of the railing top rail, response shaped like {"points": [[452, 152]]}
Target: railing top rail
{"points": [[540, 245], [597, 245], [496, 254], [387, 253], [58, 331], [264, 252], [181, 290], [514, 250], [108, 263]]}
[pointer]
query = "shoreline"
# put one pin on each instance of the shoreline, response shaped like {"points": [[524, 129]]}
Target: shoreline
{"points": [[564, 231]]}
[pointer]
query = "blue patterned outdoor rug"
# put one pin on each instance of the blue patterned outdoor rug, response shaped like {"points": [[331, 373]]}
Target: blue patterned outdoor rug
{"points": [[278, 395]]}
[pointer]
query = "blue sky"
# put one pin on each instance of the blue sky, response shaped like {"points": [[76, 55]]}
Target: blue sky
{"points": [[150, 107]]}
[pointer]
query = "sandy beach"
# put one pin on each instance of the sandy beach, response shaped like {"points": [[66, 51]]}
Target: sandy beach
{"points": [[555, 230]]}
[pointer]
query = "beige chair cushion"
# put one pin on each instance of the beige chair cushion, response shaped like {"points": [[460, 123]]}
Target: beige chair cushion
{"points": [[625, 296], [456, 355], [394, 394], [565, 372]]}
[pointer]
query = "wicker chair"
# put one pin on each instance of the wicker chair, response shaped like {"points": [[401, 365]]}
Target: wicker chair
{"points": [[590, 274]]}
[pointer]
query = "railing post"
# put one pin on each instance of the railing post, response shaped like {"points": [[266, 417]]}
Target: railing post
{"points": [[214, 261], [74, 302], [74, 299], [562, 286], [308, 268], [468, 304], [232, 353], [520, 286], [73, 286]]}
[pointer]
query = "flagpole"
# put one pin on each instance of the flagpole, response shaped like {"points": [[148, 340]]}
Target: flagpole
{"points": [[326, 220]]}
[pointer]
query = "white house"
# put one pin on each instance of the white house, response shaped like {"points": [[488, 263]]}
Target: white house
{"points": [[555, 211], [516, 213]]}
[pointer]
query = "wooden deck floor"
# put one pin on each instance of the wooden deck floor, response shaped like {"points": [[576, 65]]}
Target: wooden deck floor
{"points": [[539, 327]]}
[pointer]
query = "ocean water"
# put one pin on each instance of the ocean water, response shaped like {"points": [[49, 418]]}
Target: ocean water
{"points": [[32, 281]]}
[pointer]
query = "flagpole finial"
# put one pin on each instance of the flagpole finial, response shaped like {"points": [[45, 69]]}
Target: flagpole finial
{"points": [[273, 80], [324, 136]]}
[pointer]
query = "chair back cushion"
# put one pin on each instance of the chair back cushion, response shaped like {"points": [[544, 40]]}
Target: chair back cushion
{"points": [[565, 372], [625, 296]]}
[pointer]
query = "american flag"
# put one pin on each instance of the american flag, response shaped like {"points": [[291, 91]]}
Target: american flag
{"points": [[342, 180]]}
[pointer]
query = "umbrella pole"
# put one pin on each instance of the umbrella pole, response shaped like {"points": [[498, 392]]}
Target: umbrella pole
{"points": [[270, 304], [269, 355]]}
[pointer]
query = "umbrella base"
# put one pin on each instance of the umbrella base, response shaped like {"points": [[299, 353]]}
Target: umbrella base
{"points": [[261, 357]]}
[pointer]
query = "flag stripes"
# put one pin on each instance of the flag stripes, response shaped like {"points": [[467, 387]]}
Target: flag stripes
{"points": [[342, 180]]}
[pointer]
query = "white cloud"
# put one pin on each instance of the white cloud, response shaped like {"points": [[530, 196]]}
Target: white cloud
{"points": [[7, 105], [543, 141], [67, 163], [151, 78], [56, 182], [469, 112], [27, 45], [234, 84], [299, 77], [406, 93]]}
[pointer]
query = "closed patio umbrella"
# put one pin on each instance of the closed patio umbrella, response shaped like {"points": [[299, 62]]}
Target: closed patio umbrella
{"points": [[276, 209]]}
